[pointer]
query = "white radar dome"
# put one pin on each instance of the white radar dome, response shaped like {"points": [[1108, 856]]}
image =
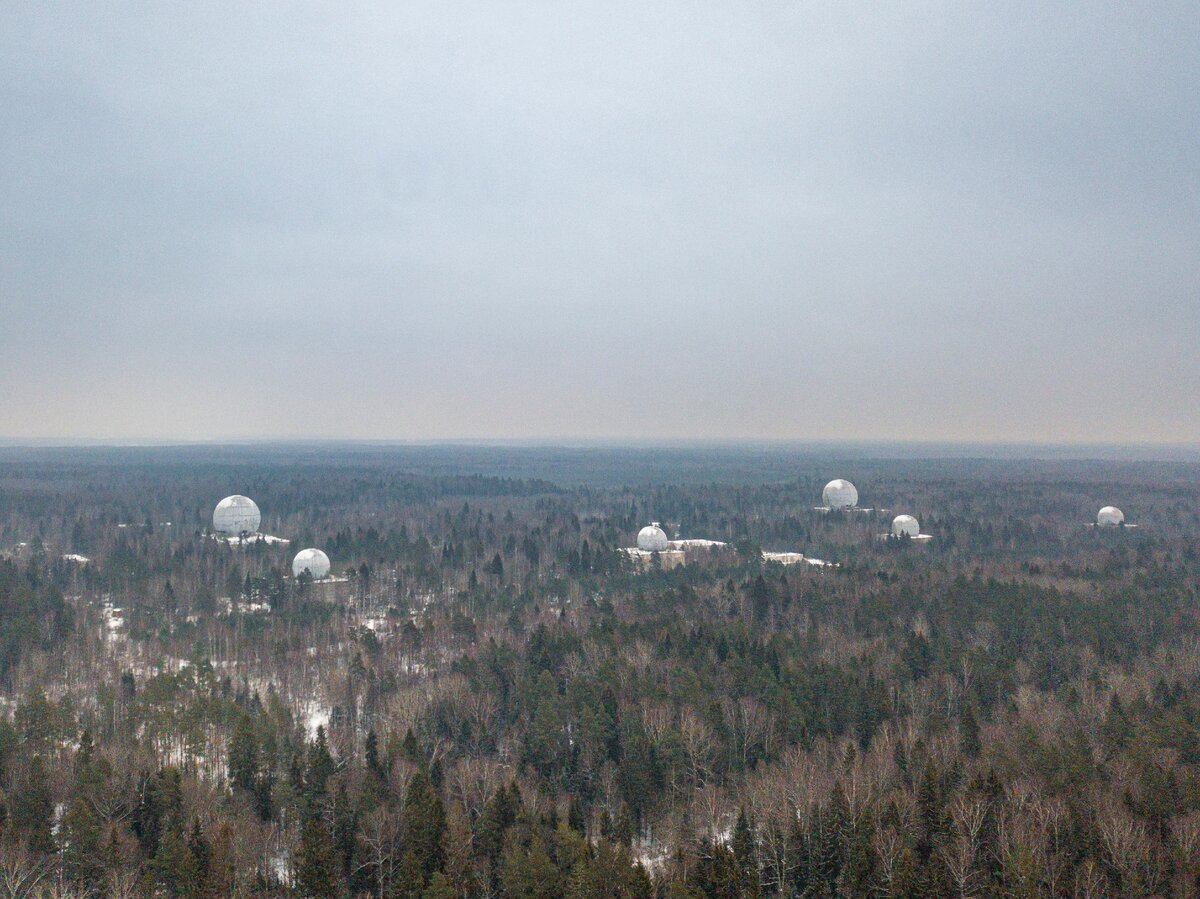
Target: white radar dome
{"points": [[312, 560], [905, 526], [236, 515], [653, 539], [1110, 517], [840, 494]]}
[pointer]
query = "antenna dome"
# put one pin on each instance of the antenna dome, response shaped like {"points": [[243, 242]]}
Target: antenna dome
{"points": [[312, 560], [236, 515], [840, 494], [653, 539]]}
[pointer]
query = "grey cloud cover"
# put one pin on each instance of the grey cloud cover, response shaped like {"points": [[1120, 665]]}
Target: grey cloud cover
{"points": [[625, 220]]}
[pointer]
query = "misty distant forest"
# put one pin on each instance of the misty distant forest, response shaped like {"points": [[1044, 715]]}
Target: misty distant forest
{"points": [[489, 698]]}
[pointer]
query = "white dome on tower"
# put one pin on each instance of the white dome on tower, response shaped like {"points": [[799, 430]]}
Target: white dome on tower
{"points": [[905, 526], [840, 494], [312, 560], [653, 539], [1110, 517], [236, 515]]}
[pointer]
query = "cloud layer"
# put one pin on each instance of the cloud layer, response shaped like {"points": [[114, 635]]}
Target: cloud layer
{"points": [[644, 220]]}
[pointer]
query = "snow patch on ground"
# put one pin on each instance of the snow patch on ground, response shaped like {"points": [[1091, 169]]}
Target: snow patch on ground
{"points": [[114, 620], [315, 716], [250, 539]]}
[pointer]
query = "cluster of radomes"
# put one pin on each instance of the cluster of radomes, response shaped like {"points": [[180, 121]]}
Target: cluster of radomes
{"points": [[238, 516]]}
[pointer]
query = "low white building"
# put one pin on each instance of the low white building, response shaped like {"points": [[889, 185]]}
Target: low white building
{"points": [[652, 542], [789, 558]]}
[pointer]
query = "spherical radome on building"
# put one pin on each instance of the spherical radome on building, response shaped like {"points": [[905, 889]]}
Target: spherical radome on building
{"points": [[840, 494], [236, 515], [653, 539], [905, 526], [1110, 517], [312, 560]]}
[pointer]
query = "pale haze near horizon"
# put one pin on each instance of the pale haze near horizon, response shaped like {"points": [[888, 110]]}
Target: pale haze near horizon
{"points": [[651, 221]]}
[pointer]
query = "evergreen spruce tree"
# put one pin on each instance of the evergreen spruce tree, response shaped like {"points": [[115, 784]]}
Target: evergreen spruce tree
{"points": [[906, 881], [33, 809], [320, 765], [498, 815], [243, 754], [423, 824], [745, 852], [262, 793], [717, 873], [409, 747], [623, 827], [972, 745], [529, 872], [931, 814], [575, 819], [345, 827], [439, 888], [82, 856], [371, 751], [316, 861], [861, 871], [1117, 729], [201, 851], [174, 866]]}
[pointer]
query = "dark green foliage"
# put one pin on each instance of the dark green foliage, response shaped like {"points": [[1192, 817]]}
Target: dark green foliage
{"points": [[969, 731], [317, 868], [423, 825], [489, 631], [243, 754], [320, 766], [32, 809]]}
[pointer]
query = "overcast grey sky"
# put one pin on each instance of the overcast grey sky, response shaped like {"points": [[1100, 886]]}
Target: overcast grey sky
{"points": [[622, 220]]}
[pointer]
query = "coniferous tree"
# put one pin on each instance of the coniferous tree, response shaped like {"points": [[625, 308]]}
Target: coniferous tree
{"points": [[409, 747], [971, 742], [371, 754], [174, 866], [320, 766], [423, 824], [439, 888], [316, 860], [198, 845], [528, 872], [345, 827], [622, 831], [83, 861], [243, 754], [33, 809], [745, 852]]}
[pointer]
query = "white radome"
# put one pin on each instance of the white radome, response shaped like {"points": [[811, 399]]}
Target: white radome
{"points": [[653, 539], [905, 526], [312, 560], [236, 515], [1110, 517], [840, 494]]}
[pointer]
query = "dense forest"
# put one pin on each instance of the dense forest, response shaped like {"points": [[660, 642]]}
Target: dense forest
{"points": [[490, 699]]}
